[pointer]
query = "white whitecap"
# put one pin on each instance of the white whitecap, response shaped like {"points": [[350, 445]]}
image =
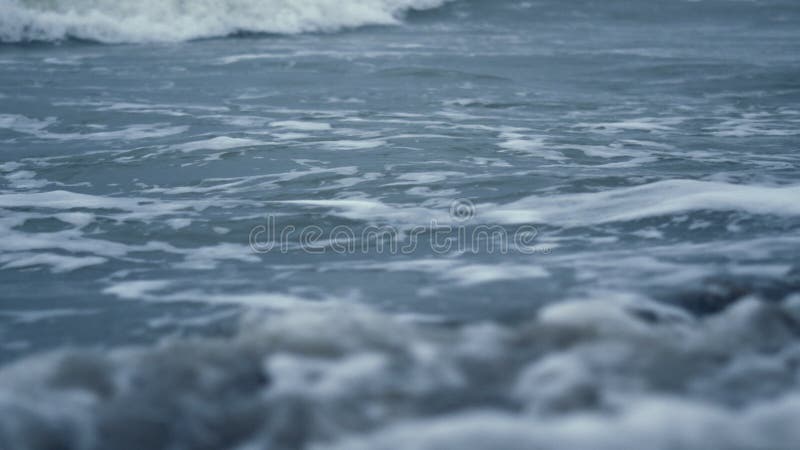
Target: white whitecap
{"points": [[115, 21]]}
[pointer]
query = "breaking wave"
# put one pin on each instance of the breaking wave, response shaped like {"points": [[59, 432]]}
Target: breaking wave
{"points": [[119, 21], [599, 374]]}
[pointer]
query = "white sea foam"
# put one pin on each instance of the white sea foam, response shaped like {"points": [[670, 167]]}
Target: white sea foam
{"points": [[237, 185], [658, 423], [345, 144], [601, 373], [422, 178], [475, 274], [176, 20], [159, 291], [66, 200], [38, 128], [525, 144], [291, 136], [373, 209], [25, 179], [75, 248], [217, 143], [647, 124], [233, 59], [661, 198], [57, 263], [648, 200], [756, 126], [301, 125], [34, 316], [131, 290], [22, 124], [456, 271]]}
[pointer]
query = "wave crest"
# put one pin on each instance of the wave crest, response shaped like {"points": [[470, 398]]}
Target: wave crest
{"points": [[120, 21], [605, 373]]}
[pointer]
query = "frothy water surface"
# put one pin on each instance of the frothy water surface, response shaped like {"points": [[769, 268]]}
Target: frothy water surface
{"points": [[629, 169]]}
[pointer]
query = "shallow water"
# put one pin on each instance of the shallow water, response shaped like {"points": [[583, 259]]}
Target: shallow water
{"points": [[429, 168]]}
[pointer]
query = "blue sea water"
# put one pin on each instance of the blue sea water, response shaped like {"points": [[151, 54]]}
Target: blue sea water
{"points": [[403, 224]]}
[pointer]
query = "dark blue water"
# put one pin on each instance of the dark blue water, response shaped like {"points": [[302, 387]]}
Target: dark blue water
{"points": [[529, 199]]}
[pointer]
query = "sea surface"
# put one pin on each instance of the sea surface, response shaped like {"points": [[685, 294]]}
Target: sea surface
{"points": [[399, 224]]}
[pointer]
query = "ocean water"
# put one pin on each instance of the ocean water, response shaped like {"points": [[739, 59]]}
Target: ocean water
{"points": [[399, 224]]}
